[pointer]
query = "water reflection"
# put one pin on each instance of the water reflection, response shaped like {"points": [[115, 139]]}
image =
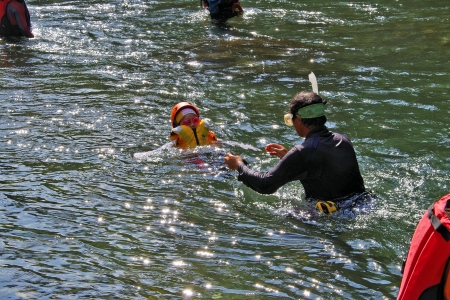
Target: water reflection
{"points": [[81, 216]]}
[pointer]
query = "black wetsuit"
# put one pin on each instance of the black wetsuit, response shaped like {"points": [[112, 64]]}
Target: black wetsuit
{"points": [[325, 164]]}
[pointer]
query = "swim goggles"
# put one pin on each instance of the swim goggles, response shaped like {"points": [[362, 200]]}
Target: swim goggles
{"points": [[188, 122]]}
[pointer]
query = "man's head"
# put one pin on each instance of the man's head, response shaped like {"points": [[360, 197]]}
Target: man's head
{"points": [[310, 108]]}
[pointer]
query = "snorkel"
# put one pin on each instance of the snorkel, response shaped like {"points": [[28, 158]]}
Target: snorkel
{"points": [[312, 78]]}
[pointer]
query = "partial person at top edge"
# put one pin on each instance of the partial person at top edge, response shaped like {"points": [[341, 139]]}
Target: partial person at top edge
{"points": [[222, 10], [325, 163], [15, 19]]}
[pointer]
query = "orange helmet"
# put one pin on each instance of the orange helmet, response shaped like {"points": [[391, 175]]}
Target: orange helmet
{"points": [[178, 107]]}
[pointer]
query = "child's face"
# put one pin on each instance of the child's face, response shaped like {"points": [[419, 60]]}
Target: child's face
{"points": [[190, 120]]}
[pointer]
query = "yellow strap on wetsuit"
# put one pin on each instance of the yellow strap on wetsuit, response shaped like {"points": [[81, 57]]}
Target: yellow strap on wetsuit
{"points": [[327, 207]]}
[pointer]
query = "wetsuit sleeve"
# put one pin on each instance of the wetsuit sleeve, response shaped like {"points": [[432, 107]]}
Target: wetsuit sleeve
{"points": [[290, 168]]}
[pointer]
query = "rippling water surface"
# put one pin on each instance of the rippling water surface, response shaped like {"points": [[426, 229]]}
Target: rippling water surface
{"points": [[81, 217]]}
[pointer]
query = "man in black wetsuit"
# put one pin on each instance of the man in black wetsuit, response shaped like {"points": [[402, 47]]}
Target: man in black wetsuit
{"points": [[325, 163]]}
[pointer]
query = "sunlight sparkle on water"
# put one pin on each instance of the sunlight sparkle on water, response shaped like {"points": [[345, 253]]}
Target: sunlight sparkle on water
{"points": [[194, 64], [289, 270], [205, 253], [179, 263], [267, 289], [21, 131]]}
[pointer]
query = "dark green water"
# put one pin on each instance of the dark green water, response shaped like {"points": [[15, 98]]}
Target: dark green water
{"points": [[81, 218]]}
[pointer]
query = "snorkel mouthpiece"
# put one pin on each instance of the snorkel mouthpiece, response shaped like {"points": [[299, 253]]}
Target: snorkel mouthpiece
{"points": [[288, 119]]}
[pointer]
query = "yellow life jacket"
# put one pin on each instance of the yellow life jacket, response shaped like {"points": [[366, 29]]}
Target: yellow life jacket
{"points": [[186, 137]]}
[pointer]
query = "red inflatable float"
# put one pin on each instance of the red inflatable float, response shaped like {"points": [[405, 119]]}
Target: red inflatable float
{"points": [[426, 269]]}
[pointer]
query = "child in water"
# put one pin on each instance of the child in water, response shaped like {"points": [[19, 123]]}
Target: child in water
{"points": [[188, 130]]}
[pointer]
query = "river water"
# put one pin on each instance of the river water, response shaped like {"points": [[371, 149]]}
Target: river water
{"points": [[82, 218]]}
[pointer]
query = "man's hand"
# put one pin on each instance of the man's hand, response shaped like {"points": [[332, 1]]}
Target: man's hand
{"points": [[232, 161], [276, 149]]}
